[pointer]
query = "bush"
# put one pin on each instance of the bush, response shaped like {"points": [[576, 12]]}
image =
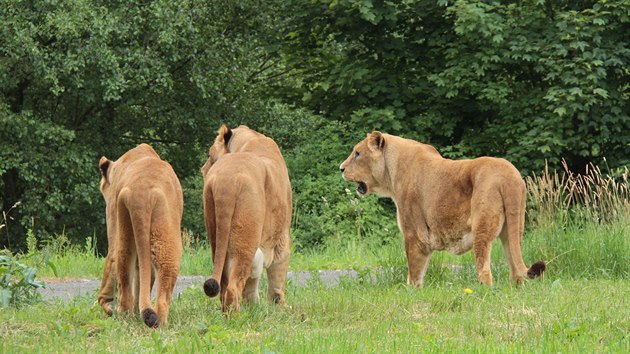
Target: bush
{"points": [[17, 282], [193, 218], [323, 206]]}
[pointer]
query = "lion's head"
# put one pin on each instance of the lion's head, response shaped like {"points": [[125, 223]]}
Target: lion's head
{"points": [[366, 165], [219, 148], [108, 166], [239, 139]]}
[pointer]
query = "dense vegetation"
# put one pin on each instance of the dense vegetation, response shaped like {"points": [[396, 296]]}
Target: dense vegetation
{"points": [[532, 81]]}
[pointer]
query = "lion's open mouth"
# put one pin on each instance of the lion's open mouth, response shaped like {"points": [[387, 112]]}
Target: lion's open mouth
{"points": [[362, 188]]}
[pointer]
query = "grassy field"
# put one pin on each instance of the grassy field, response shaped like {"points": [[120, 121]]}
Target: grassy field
{"points": [[581, 305], [573, 250], [547, 315]]}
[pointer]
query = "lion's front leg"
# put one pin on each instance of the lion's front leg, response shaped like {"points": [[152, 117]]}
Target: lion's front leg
{"points": [[417, 259]]}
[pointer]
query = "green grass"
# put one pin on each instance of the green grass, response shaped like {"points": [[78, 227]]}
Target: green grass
{"points": [[580, 305], [574, 251], [547, 315]]}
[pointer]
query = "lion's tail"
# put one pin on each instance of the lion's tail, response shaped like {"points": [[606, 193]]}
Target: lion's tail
{"points": [[223, 217], [538, 268], [141, 224]]}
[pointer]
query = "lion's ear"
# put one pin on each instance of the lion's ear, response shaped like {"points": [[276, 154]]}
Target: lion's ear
{"points": [[376, 141], [225, 134], [104, 165], [206, 166]]}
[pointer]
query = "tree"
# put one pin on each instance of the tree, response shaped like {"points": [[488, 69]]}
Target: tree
{"points": [[85, 78], [527, 80]]}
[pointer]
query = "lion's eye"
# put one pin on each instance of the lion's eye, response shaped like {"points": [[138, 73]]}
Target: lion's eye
{"points": [[356, 154]]}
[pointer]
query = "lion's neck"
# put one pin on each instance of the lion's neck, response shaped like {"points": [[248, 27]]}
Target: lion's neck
{"points": [[405, 164]]}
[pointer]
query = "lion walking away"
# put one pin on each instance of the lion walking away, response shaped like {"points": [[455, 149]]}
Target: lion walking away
{"points": [[444, 204], [247, 205], [144, 211]]}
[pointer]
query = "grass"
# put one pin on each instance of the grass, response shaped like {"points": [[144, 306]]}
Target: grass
{"points": [[578, 224], [574, 251], [580, 305], [547, 315]]}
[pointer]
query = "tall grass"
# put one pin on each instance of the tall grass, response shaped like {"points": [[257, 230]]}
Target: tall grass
{"points": [[580, 223], [566, 198]]}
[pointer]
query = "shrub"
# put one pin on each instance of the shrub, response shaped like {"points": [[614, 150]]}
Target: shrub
{"points": [[17, 282]]}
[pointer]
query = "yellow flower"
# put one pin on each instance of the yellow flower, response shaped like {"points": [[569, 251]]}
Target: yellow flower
{"points": [[468, 291]]}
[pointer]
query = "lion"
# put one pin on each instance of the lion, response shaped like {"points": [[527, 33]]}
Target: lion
{"points": [[442, 204], [144, 205], [247, 205]]}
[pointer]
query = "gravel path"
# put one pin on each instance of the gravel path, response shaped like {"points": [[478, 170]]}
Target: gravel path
{"points": [[67, 290]]}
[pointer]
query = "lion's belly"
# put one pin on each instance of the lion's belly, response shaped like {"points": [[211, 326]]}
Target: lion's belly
{"points": [[455, 243]]}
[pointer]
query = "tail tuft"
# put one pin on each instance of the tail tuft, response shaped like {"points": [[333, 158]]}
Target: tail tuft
{"points": [[150, 318], [536, 270], [211, 287]]}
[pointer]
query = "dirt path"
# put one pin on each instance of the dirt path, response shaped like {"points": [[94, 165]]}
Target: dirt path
{"points": [[67, 290]]}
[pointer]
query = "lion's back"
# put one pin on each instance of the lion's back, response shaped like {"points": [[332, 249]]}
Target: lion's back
{"points": [[247, 175], [149, 174]]}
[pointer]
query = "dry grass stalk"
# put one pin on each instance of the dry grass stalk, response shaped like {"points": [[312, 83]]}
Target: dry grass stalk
{"points": [[555, 197]]}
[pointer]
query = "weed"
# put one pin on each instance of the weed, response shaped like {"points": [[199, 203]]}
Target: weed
{"points": [[5, 222], [18, 286]]}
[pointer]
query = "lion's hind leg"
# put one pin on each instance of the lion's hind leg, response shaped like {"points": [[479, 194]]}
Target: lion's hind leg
{"points": [[163, 253], [240, 269], [513, 256], [487, 222], [167, 277], [277, 275], [108, 284], [512, 235], [250, 292]]}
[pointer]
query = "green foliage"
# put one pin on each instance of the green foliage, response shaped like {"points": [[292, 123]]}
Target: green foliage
{"points": [[47, 171], [18, 286], [527, 80], [324, 207], [555, 74], [81, 79]]}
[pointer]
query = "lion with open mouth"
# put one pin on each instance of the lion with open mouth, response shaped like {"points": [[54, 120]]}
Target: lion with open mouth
{"points": [[445, 204]]}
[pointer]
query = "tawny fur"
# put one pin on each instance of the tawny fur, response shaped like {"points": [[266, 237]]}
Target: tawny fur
{"points": [[247, 205], [444, 204], [144, 211]]}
